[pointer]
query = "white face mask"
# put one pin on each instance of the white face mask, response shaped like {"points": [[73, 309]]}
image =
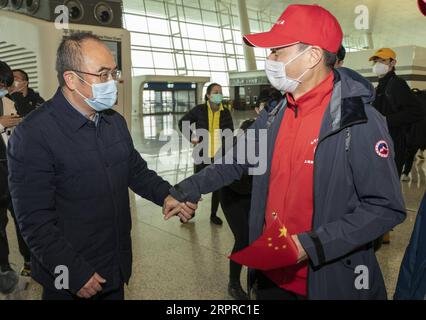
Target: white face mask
{"points": [[380, 69], [277, 76]]}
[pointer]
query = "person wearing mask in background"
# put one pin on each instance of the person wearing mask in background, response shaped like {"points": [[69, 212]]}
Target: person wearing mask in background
{"points": [[416, 140], [8, 121], [395, 101], [341, 54], [25, 98], [214, 118], [330, 178]]}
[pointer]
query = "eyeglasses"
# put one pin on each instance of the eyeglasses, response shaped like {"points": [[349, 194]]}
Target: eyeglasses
{"points": [[105, 75]]}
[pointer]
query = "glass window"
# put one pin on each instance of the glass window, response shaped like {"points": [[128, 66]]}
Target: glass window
{"points": [[197, 45], [214, 47], [232, 64], [196, 31], [155, 8], [191, 37], [135, 23], [210, 17], [254, 26], [217, 64], [160, 41], [163, 60], [140, 39], [212, 32], [200, 63], [192, 15], [159, 26], [142, 59]]}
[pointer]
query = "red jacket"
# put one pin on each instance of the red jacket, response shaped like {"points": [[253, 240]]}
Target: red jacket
{"points": [[291, 182]]}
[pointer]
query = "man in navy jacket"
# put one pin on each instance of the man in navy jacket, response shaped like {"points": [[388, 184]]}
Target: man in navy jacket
{"points": [[71, 163]]}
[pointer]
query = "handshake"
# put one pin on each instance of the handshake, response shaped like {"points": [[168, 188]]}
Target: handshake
{"points": [[172, 207]]}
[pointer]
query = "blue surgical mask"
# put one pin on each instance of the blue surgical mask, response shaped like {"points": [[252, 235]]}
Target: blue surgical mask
{"points": [[3, 93], [216, 98], [104, 95]]}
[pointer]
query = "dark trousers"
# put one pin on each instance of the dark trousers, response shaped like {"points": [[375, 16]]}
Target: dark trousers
{"points": [[400, 145], [410, 155], [215, 194], [4, 244], [268, 290], [236, 208], [49, 294]]}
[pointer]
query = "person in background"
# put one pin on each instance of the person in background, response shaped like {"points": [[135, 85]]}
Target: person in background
{"points": [[395, 101], [268, 100], [211, 116], [416, 140], [25, 98], [8, 121], [235, 201], [341, 54]]}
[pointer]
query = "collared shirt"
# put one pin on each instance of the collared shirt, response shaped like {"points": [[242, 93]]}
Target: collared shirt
{"points": [[86, 115], [215, 140], [290, 196]]}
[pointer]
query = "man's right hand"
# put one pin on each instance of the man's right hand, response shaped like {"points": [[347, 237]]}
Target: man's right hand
{"points": [[92, 287], [10, 121]]}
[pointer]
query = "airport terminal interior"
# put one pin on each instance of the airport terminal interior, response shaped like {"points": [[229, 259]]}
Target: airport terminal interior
{"points": [[169, 51]]}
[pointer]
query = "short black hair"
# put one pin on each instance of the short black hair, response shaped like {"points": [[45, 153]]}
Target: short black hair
{"points": [[269, 94], [69, 56], [26, 78], [6, 74], [209, 90], [341, 54], [330, 58]]}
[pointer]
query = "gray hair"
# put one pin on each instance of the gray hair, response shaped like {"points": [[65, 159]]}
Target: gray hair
{"points": [[329, 57]]}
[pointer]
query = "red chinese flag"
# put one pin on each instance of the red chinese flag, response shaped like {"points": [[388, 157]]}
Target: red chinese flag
{"points": [[273, 250]]}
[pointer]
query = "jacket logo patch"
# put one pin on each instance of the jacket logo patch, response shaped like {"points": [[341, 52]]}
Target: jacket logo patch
{"points": [[382, 149]]}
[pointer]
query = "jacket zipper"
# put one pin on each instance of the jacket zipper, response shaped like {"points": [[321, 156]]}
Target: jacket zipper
{"points": [[313, 189]]}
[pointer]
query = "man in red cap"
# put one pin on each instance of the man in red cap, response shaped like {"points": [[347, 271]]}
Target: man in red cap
{"points": [[330, 176]]}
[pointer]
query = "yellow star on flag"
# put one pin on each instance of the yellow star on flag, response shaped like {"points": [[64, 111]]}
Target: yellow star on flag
{"points": [[283, 232]]}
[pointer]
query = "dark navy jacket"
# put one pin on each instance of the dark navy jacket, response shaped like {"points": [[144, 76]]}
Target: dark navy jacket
{"points": [[357, 193], [412, 276], [69, 183]]}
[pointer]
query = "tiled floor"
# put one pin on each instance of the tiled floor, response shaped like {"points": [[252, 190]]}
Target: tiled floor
{"points": [[175, 261]]}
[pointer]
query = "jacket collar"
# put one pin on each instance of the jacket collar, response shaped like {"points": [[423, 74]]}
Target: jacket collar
{"points": [[342, 112], [69, 114]]}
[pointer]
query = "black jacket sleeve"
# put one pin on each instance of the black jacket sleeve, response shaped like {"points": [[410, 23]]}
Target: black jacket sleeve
{"points": [[191, 116], [32, 186], [410, 109]]}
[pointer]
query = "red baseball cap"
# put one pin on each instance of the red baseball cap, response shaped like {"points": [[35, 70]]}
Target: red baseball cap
{"points": [[422, 6], [310, 24]]}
